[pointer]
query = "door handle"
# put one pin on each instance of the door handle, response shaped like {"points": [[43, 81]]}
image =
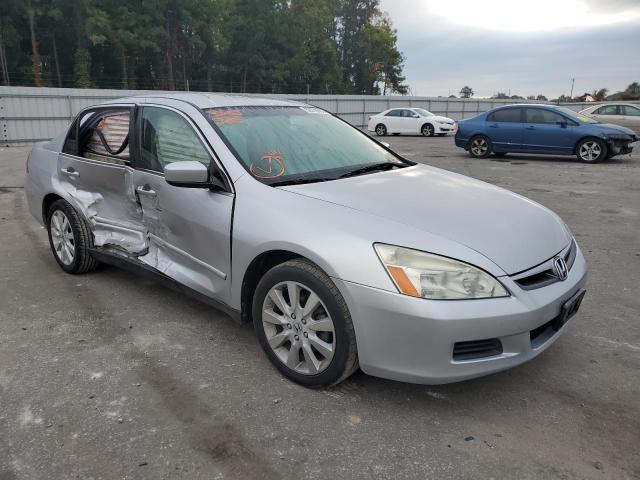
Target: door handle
{"points": [[493, 125], [146, 191], [530, 127], [70, 172]]}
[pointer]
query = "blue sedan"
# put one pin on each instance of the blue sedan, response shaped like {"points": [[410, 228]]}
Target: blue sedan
{"points": [[542, 129]]}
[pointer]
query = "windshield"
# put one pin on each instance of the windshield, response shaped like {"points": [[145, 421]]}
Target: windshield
{"points": [[423, 112], [280, 145], [576, 116]]}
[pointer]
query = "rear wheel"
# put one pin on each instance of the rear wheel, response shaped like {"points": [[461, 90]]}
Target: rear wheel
{"points": [[480, 146], [70, 238], [427, 130], [381, 130], [303, 325], [591, 150]]}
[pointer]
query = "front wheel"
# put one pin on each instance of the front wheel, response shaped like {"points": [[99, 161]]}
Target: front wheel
{"points": [[480, 147], [303, 325], [591, 150], [428, 130]]}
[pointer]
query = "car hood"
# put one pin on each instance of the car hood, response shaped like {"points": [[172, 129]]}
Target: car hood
{"points": [[513, 232], [437, 118], [611, 128]]}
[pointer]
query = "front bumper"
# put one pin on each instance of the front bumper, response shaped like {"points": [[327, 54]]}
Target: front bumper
{"points": [[445, 128], [412, 339]]}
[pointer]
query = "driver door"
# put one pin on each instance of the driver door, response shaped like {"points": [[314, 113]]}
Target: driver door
{"points": [[188, 228]]}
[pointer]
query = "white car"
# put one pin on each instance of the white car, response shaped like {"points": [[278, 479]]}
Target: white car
{"points": [[410, 120]]}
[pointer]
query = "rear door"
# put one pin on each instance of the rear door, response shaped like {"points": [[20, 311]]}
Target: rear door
{"points": [[189, 229], [547, 132], [505, 128], [393, 121], [94, 169]]}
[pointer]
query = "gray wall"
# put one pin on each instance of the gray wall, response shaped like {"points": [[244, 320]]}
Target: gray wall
{"points": [[30, 114]]}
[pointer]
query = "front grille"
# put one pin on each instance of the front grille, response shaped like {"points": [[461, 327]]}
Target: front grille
{"points": [[476, 349], [547, 277]]}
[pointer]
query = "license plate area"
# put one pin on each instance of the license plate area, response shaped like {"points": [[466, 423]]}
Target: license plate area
{"points": [[568, 310]]}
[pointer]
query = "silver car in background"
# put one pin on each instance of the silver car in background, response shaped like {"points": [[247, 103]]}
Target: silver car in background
{"points": [[341, 253], [624, 114]]}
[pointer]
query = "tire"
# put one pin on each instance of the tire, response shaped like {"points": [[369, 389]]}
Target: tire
{"points": [[427, 130], [499, 154], [381, 130], [291, 332], [480, 146], [70, 239], [591, 150]]}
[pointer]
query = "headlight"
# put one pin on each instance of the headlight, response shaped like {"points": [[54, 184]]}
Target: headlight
{"points": [[426, 275]]}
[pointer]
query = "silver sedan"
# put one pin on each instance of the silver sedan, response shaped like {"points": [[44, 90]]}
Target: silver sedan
{"points": [[342, 253]]}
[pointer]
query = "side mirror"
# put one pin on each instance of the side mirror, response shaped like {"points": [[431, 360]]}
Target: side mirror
{"points": [[189, 174], [562, 123]]}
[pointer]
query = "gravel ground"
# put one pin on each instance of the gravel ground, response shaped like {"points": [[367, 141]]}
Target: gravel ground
{"points": [[107, 375]]}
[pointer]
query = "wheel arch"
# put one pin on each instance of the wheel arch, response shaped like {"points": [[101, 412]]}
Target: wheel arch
{"points": [[47, 201], [260, 265], [586, 137]]}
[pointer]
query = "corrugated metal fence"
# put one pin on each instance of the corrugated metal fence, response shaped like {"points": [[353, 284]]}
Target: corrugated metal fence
{"points": [[29, 114]]}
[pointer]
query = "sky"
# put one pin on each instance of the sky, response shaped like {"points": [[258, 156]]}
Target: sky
{"points": [[526, 47]]}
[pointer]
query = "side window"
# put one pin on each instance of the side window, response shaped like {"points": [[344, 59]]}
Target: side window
{"points": [[506, 115], [71, 142], [105, 136], [629, 110], [538, 115], [607, 110], [394, 113], [168, 137], [408, 113]]}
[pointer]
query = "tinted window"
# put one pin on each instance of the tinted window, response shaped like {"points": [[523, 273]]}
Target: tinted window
{"points": [[538, 115], [508, 115], [168, 137], [607, 110], [628, 110], [394, 113]]}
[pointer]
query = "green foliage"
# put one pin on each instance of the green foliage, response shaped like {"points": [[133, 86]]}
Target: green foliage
{"points": [[279, 46], [466, 92]]}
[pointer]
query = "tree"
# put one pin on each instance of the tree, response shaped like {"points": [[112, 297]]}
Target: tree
{"points": [[500, 95], [600, 95], [466, 92], [542, 98]]}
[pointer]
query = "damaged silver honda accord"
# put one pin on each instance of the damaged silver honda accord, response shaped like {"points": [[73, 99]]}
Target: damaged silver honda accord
{"points": [[342, 253]]}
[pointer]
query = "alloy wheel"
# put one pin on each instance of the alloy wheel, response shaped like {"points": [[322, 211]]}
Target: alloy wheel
{"points": [[298, 328], [427, 130], [590, 151], [62, 237], [479, 147], [381, 130]]}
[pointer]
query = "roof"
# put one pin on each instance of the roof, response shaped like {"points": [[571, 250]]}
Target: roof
{"points": [[211, 100]]}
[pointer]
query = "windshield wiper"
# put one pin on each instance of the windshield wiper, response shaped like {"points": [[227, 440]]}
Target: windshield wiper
{"points": [[300, 181], [375, 167]]}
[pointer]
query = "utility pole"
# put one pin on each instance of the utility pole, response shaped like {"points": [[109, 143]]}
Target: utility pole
{"points": [[573, 81]]}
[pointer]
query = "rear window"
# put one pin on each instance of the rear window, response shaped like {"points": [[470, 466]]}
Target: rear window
{"points": [[507, 115]]}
